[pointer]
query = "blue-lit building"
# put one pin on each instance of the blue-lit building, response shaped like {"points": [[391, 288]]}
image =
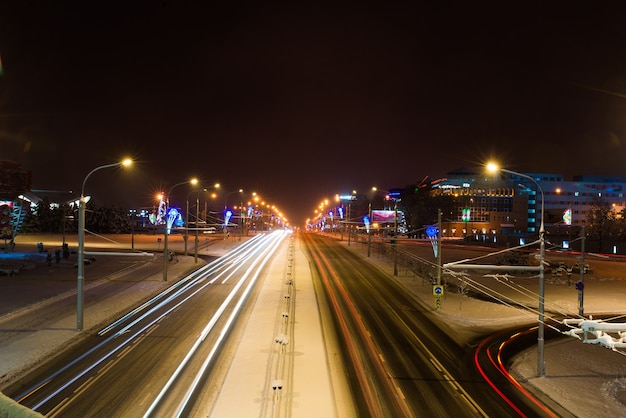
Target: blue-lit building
{"points": [[488, 207]]}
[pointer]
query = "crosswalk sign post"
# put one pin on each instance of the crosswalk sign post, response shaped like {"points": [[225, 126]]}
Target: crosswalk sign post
{"points": [[438, 293]]}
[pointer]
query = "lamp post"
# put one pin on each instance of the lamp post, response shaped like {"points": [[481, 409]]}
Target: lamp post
{"points": [[187, 222], [347, 225], [228, 194], [195, 254], [241, 220], [187, 216], [225, 228], [226, 200], [193, 181], [369, 231], [81, 243], [215, 186], [395, 231], [541, 368]]}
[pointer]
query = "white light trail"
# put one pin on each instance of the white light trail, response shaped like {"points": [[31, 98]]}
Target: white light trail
{"points": [[266, 249]]}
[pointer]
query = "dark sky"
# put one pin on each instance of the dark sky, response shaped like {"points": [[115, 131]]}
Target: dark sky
{"points": [[302, 101]]}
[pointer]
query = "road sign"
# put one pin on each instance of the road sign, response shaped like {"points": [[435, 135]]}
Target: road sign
{"points": [[438, 290]]}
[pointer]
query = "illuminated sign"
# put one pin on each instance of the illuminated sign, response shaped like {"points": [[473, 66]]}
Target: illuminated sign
{"points": [[465, 216], [383, 216], [567, 217]]}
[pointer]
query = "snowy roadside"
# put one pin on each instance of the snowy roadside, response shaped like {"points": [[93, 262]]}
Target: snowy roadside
{"points": [[587, 380]]}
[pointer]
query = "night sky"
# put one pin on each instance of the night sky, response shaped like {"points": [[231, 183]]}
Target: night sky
{"points": [[301, 101]]}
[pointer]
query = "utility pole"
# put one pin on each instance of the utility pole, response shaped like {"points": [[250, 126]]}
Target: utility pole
{"points": [[581, 285], [369, 231], [438, 247], [395, 237]]}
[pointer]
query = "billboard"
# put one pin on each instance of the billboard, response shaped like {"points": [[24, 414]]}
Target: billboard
{"points": [[384, 216]]}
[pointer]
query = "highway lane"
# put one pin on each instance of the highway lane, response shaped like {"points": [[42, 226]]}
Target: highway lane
{"points": [[155, 360], [399, 360]]}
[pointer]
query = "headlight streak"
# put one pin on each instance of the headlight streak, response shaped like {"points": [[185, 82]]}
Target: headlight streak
{"points": [[248, 256], [268, 250], [185, 282], [179, 292], [121, 344], [225, 329]]}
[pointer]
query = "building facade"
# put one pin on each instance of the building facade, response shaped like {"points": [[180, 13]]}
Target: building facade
{"points": [[484, 207]]}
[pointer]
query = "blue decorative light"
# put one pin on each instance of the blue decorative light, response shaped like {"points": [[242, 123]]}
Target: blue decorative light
{"points": [[366, 221], [227, 217], [173, 219]]}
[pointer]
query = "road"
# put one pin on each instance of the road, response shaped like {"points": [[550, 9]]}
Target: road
{"points": [[165, 358], [399, 359]]}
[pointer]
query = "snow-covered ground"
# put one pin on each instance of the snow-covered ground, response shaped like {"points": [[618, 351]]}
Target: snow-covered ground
{"points": [[587, 379]]}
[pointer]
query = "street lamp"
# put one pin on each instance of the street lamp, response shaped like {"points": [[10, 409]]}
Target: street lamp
{"points": [[215, 186], [351, 197], [193, 182], [541, 369], [228, 194], [226, 208], [81, 242], [187, 216], [395, 230]]}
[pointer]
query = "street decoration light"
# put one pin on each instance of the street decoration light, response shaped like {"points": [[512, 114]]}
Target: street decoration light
{"points": [[227, 213], [492, 167], [81, 242], [168, 224]]}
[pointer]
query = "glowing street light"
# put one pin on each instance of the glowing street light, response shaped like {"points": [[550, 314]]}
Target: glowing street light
{"points": [[541, 369], [228, 194], [81, 242]]}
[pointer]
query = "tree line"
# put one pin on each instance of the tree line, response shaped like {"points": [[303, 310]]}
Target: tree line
{"points": [[47, 218]]}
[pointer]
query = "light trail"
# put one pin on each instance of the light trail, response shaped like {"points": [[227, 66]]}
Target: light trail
{"points": [[192, 388], [209, 326], [185, 282], [152, 306]]}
